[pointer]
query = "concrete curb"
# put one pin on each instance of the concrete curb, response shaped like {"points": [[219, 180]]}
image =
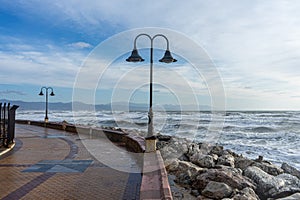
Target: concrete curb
{"points": [[7, 149], [133, 143], [155, 184], [165, 187]]}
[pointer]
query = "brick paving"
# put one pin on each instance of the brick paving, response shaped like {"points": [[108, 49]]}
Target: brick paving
{"points": [[42, 165]]}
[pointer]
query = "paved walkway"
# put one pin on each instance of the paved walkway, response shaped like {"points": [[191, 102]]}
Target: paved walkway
{"points": [[52, 164]]}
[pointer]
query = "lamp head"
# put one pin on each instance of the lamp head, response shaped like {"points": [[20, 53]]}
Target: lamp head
{"points": [[41, 93], [135, 57], [167, 58], [52, 94]]}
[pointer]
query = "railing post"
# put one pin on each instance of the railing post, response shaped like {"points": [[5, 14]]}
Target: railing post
{"points": [[4, 125], [11, 124], [7, 124], [1, 122]]}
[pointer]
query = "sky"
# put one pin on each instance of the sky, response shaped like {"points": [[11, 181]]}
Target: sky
{"points": [[254, 45]]}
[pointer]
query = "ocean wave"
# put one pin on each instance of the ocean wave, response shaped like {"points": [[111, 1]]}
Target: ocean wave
{"points": [[204, 121], [141, 123], [232, 114], [275, 115], [262, 129], [229, 128]]}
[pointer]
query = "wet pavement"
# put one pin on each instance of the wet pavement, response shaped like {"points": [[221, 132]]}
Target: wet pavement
{"points": [[52, 164]]}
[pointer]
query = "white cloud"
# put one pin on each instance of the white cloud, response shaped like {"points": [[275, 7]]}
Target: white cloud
{"points": [[80, 45], [41, 68], [14, 92]]}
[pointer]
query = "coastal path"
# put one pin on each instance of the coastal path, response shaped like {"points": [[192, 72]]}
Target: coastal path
{"points": [[52, 164]]}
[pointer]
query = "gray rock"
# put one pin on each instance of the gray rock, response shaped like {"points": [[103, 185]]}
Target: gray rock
{"points": [[243, 163], [173, 149], [187, 166], [290, 170], [265, 182], [226, 159], [234, 180], [291, 186], [205, 148], [218, 150], [217, 190], [268, 167], [200, 197], [295, 196], [192, 149], [185, 172], [165, 138], [215, 157], [195, 193], [290, 180], [269, 186], [171, 165], [184, 179], [203, 160], [171, 179], [232, 169], [176, 193], [246, 194]]}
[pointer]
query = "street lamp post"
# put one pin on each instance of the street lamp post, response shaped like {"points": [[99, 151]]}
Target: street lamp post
{"points": [[135, 57], [51, 94]]}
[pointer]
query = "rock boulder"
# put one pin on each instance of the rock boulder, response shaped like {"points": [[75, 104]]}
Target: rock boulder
{"points": [[203, 160], [269, 186], [234, 180], [217, 190], [290, 170]]}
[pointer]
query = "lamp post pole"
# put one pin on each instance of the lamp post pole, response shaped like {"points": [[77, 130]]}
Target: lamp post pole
{"points": [[51, 94], [135, 57]]}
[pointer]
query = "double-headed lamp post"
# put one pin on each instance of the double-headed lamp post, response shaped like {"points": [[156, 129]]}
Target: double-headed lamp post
{"points": [[135, 57], [51, 94]]}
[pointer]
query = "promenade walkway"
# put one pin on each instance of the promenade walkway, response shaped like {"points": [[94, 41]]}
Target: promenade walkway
{"points": [[52, 164]]}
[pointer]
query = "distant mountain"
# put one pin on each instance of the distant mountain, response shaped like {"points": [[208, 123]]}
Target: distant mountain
{"points": [[83, 106]]}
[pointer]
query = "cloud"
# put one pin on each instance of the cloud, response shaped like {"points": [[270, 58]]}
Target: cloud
{"points": [[39, 66], [255, 44], [80, 45], [13, 92]]}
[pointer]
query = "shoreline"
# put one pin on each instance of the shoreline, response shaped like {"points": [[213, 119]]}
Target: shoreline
{"points": [[204, 171]]}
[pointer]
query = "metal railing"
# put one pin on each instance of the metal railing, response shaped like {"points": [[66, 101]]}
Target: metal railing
{"points": [[7, 124]]}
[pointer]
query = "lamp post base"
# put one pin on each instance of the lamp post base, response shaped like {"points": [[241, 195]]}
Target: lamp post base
{"points": [[150, 144]]}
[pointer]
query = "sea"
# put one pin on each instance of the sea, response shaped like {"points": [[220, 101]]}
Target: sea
{"points": [[275, 135]]}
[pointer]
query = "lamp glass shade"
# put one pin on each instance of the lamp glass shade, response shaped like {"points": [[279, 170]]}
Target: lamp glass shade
{"points": [[135, 57], [167, 58], [41, 93], [52, 94]]}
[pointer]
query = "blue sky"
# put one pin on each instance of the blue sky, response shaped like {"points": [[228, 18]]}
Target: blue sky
{"points": [[254, 44]]}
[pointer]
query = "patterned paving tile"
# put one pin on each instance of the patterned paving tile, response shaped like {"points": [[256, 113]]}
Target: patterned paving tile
{"points": [[60, 166]]}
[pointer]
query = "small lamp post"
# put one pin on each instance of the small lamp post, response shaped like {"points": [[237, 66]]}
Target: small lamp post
{"points": [[135, 57], [51, 94]]}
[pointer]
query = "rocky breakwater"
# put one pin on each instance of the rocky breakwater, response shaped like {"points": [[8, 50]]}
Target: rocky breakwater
{"points": [[212, 172]]}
